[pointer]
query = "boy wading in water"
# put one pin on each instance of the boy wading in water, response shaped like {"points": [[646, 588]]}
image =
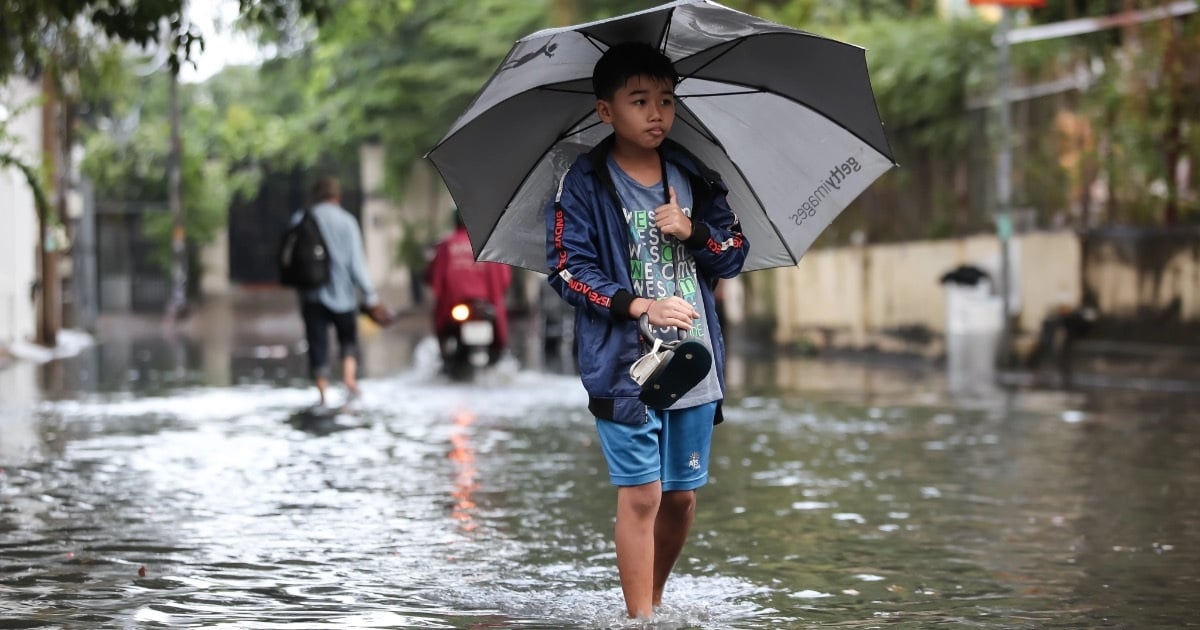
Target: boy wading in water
{"points": [[639, 226]]}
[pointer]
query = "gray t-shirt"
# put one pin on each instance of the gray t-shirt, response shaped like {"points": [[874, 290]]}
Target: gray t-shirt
{"points": [[652, 259]]}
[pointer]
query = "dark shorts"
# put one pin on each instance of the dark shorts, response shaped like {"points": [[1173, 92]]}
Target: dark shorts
{"points": [[317, 319]]}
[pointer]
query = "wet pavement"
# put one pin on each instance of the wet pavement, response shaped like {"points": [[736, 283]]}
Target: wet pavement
{"points": [[180, 482]]}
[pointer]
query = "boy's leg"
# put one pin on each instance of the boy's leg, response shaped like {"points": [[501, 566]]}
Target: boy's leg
{"points": [[686, 440], [676, 512], [316, 333], [636, 539], [632, 454], [653, 516], [346, 325]]}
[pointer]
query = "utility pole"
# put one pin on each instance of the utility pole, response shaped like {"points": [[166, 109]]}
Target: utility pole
{"points": [[178, 299], [50, 313], [1004, 222]]}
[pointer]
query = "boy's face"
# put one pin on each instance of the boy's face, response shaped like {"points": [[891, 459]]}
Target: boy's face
{"points": [[641, 112]]}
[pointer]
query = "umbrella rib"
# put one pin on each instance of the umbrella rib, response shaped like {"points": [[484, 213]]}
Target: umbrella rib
{"points": [[593, 40], [535, 163], [738, 93], [666, 34], [703, 130], [886, 150], [568, 130], [751, 89], [662, 46], [710, 62], [564, 90]]}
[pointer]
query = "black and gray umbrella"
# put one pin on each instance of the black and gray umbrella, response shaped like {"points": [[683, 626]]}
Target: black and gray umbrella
{"points": [[786, 117]]}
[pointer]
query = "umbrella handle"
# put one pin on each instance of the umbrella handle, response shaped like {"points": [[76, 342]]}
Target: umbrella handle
{"points": [[648, 335]]}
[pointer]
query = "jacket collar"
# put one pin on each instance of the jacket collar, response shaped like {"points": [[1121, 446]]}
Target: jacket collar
{"points": [[669, 150]]}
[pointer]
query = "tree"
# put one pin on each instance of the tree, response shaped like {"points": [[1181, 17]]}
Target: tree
{"points": [[400, 75], [29, 24], [30, 27], [54, 39]]}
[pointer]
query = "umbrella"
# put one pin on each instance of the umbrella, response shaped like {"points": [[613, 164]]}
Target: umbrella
{"points": [[786, 117]]}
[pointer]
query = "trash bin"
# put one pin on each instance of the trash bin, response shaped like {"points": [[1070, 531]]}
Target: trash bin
{"points": [[974, 323]]}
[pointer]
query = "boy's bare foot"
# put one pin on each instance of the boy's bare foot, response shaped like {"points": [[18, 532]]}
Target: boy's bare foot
{"points": [[352, 395]]}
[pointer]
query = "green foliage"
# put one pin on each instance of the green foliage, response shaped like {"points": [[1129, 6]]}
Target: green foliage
{"points": [[134, 170], [1146, 105], [31, 28], [236, 128], [921, 71], [400, 76], [416, 238], [818, 15], [10, 159], [398, 72]]}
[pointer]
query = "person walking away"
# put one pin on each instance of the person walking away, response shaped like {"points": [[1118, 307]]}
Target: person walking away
{"points": [[614, 243], [455, 277], [337, 302]]}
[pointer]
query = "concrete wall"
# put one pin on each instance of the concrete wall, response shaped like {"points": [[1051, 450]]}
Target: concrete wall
{"points": [[214, 262], [1145, 274], [18, 215], [885, 295], [380, 225], [425, 206]]}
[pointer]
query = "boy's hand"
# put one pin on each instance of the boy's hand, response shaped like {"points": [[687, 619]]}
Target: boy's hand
{"points": [[670, 219], [673, 311]]}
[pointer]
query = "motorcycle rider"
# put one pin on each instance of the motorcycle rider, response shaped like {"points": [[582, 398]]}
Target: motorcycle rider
{"points": [[455, 277]]}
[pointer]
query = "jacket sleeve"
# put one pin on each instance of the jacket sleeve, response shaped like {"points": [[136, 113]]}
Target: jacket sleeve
{"points": [[717, 242], [573, 245]]}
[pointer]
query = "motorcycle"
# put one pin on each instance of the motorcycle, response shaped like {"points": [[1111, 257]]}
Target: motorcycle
{"points": [[468, 343]]}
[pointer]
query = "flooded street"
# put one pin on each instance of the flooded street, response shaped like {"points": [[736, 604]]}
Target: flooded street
{"points": [[148, 484]]}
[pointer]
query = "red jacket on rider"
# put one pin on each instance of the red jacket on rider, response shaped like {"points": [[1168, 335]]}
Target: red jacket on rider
{"points": [[455, 276]]}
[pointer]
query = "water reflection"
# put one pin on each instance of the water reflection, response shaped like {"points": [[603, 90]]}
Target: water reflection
{"points": [[463, 456], [18, 428], [843, 493]]}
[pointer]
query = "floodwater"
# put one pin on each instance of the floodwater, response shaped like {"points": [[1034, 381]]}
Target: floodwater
{"points": [[147, 484]]}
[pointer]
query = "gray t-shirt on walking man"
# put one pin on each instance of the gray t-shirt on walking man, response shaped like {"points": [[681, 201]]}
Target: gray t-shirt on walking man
{"points": [[347, 260], [651, 258]]}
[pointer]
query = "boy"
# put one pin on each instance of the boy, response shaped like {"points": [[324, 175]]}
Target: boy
{"points": [[336, 303], [639, 226]]}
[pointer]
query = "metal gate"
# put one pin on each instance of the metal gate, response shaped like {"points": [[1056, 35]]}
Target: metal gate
{"points": [[129, 278]]}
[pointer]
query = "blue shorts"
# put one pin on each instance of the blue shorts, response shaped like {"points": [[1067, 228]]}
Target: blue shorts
{"points": [[671, 446]]}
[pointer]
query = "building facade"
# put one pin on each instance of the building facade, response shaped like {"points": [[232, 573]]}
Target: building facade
{"points": [[21, 125]]}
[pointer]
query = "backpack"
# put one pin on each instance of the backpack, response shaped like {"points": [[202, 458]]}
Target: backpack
{"points": [[303, 257]]}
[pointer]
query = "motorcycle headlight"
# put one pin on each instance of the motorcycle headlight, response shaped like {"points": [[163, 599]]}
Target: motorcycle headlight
{"points": [[460, 312]]}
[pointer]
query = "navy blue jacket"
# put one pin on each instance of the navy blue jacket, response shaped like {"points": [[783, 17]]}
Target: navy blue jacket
{"points": [[587, 243]]}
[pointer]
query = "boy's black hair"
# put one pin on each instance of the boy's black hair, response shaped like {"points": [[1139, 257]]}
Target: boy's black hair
{"points": [[624, 61]]}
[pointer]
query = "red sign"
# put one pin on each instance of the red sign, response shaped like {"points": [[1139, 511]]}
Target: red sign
{"points": [[1012, 3]]}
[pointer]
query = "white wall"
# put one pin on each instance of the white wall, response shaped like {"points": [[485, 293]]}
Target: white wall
{"points": [[18, 216], [381, 228], [858, 293]]}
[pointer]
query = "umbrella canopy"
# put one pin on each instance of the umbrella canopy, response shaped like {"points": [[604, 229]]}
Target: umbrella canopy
{"points": [[786, 117]]}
